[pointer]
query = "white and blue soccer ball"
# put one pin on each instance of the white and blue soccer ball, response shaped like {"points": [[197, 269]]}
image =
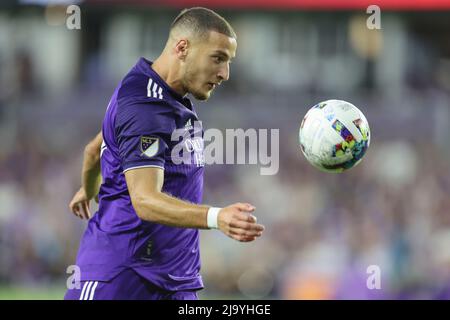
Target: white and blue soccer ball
{"points": [[334, 136]]}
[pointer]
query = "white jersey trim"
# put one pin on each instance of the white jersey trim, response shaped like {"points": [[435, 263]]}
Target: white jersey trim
{"points": [[154, 90], [91, 296], [145, 166]]}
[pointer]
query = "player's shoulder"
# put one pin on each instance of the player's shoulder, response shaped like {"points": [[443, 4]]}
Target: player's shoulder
{"points": [[137, 103], [143, 89]]}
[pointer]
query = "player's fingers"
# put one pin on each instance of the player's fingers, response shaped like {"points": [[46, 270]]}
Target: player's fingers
{"points": [[72, 206], [245, 233], [85, 210], [250, 206], [246, 207], [248, 239], [242, 238], [247, 226], [244, 216], [76, 210]]}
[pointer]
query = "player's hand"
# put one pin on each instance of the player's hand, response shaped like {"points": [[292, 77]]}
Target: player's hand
{"points": [[79, 205], [237, 222]]}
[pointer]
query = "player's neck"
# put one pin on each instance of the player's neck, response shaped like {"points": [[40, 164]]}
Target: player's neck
{"points": [[162, 67]]}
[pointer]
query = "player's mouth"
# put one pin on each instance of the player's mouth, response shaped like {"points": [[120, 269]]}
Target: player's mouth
{"points": [[211, 85]]}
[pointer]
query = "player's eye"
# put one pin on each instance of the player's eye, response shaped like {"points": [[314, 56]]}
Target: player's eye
{"points": [[217, 59]]}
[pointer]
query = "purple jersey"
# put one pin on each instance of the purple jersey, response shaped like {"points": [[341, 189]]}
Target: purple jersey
{"points": [[137, 132]]}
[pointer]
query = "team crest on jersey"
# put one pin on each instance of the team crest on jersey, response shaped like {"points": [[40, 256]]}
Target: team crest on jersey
{"points": [[149, 146]]}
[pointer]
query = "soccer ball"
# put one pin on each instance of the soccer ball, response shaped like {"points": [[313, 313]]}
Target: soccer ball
{"points": [[334, 136]]}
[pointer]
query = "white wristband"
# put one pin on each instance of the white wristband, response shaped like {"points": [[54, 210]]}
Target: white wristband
{"points": [[212, 221]]}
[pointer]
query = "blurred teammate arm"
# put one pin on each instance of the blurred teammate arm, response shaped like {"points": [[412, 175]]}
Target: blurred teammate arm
{"points": [[151, 204], [90, 179]]}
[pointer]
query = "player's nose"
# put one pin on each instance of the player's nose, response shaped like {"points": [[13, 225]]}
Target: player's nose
{"points": [[224, 73]]}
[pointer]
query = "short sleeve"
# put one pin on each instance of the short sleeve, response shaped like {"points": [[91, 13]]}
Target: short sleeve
{"points": [[143, 132]]}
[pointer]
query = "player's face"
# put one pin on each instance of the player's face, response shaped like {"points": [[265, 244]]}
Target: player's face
{"points": [[208, 64]]}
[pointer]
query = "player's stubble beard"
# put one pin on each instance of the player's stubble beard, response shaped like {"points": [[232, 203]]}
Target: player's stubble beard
{"points": [[189, 84]]}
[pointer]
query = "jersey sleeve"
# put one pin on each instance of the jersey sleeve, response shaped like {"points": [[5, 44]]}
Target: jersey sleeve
{"points": [[143, 132]]}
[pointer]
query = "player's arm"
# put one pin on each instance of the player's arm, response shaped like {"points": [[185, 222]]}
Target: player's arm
{"points": [[90, 178], [151, 204]]}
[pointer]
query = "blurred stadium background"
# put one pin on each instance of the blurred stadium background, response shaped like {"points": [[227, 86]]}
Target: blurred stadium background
{"points": [[323, 230]]}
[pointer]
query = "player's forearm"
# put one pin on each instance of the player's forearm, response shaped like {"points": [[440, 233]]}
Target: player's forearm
{"points": [[90, 176], [165, 209]]}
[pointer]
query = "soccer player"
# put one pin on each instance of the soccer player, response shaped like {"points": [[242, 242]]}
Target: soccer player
{"points": [[143, 243]]}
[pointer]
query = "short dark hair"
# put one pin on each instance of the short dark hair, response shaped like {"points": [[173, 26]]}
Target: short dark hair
{"points": [[201, 20]]}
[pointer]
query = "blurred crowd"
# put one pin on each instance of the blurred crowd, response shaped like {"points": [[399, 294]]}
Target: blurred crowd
{"points": [[323, 231]]}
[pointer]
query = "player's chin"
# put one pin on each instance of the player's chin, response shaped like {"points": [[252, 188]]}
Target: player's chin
{"points": [[203, 94]]}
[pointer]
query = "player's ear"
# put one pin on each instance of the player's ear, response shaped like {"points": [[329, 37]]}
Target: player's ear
{"points": [[181, 48]]}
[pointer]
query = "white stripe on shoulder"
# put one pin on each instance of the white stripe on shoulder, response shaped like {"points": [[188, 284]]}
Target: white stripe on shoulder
{"points": [[155, 87], [91, 297], [84, 289], [86, 295], [154, 90], [149, 87], [146, 166]]}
